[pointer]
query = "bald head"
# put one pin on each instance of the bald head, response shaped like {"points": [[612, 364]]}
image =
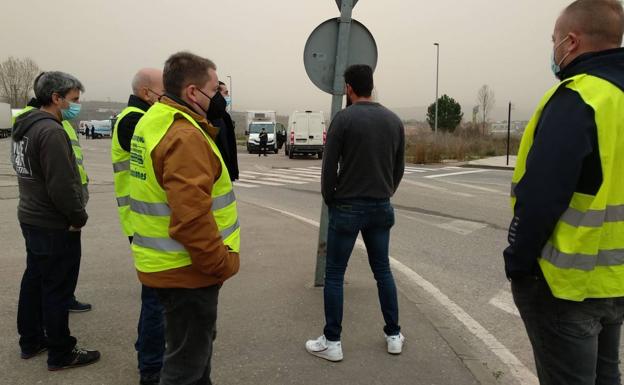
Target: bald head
{"points": [[600, 22], [147, 84], [587, 26]]}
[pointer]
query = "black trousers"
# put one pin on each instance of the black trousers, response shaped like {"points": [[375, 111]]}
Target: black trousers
{"points": [[48, 284], [190, 320], [574, 343]]}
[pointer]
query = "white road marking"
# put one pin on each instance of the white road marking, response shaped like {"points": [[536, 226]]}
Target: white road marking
{"points": [[296, 175], [462, 227], [436, 188], [456, 226], [504, 301], [257, 181], [278, 175], [455, 173], [412, 169], [491, 190], [517, 368], [451, 168], [243, 184], [280, 180], [523, 375]]}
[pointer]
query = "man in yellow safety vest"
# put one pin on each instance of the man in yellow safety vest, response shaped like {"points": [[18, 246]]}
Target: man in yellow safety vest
{"points": [[565, 257]]}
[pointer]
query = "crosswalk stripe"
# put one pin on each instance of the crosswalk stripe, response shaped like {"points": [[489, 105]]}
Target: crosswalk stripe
{"points": [[277, 174], [412, 169], [244, 185], [454, 174], [297, 175], [278, 180], [306, 172], [256, 181]]}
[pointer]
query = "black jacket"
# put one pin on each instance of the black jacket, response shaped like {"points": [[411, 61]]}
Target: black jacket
{"points": [[50, 188], [127, 125], [226, 141], [564, 159]]}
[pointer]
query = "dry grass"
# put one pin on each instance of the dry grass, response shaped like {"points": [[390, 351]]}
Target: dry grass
{"points": [[422, 146]]}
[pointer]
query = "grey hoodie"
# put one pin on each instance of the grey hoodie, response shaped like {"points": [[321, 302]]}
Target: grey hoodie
{"points": [[49, 182]]}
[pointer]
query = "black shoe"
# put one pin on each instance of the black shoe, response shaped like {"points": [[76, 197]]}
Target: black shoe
{"points": [[150, 378], [79, 307], [79, 357], [34, 353]]}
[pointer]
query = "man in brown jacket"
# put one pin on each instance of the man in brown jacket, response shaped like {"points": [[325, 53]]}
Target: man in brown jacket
{"points": [[187, 267]]}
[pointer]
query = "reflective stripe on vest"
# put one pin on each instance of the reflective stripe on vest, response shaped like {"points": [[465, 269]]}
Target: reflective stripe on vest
{"points": [[153, 249], [584, 257], [121, 168]]}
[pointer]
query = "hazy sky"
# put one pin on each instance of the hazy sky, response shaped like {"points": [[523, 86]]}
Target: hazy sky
{"points": [[503, 43]]}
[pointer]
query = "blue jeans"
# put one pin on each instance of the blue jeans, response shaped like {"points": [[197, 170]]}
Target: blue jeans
{"points": [[48, 284], [150, 343], [347, 218], [574, 343]]}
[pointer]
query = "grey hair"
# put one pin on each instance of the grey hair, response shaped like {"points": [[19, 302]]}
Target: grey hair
{"points": [[55, 82]]}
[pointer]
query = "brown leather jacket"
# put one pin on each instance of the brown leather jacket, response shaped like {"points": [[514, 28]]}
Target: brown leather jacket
{"points": [[186, 167]]}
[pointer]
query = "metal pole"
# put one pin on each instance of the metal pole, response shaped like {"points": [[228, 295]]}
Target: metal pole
{"points": [[435, 129], [342, 52], [508, 132]]}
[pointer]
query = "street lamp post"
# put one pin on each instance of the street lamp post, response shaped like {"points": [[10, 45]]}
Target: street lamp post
{"points": [[231, 93], [435, 127]]}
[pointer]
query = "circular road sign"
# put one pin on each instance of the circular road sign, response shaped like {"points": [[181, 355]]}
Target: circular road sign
{"points": [[319, 56]]}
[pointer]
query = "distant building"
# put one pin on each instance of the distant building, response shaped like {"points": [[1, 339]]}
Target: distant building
{"points": [[517, 127]]}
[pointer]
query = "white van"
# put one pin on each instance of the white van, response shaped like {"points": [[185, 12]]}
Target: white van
{"points": [[307, 133]]}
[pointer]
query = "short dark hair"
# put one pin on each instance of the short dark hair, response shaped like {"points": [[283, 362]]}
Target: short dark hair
{"points": [[184, 68], [221, 83], [602, 20], [55, 82], [360, 78]]}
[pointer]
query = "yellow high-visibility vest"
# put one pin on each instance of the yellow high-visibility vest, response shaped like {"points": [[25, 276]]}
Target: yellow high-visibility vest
{"points": [[152, 248], [584, 257]]}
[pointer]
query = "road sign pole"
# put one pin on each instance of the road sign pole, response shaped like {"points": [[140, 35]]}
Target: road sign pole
{"points": [[342, 54]]}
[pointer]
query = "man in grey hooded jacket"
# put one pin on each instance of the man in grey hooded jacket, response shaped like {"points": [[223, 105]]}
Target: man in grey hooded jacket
{"points": [[51, 212]]}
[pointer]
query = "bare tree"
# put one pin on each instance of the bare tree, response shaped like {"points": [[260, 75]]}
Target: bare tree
{"points": [[485, 103], [16, 80]]}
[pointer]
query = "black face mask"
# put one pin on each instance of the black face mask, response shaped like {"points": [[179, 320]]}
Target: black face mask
{"points": [[217, 106]]}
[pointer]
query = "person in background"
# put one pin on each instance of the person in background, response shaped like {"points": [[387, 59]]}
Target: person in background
{"points": [[147, 88], [264, 139], [226, 138]]}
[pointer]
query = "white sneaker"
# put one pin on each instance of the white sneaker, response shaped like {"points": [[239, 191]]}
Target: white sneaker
{"points": [[329, 350], [395, 343]]}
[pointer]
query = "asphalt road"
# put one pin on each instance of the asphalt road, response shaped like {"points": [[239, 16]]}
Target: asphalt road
{"points": [[446, 246]]}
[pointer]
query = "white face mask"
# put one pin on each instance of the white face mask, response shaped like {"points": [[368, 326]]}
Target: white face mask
{"points": [[554, 66]]}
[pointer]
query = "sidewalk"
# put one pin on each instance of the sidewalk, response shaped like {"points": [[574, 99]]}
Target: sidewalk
{"points": [[266, 313], [496, 162]]}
